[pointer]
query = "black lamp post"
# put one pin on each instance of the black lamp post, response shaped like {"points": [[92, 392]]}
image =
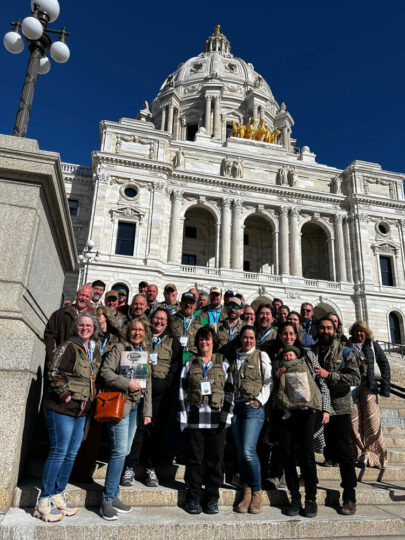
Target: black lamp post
{"points": [[35, 29]]}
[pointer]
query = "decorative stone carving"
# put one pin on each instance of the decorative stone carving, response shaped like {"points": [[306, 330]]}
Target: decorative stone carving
{"points": [[232, 168], [292, 177], [283, 176], [336, 185], [231, 67], [127, 212], [237, 168], [139, 145], [196, 67], [179, 159], [192, 89], [144, 114], [226, 167], [116, 180]]}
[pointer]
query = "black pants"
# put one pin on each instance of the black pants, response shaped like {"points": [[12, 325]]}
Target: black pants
{"points": [[204, 454], [337, 432], [298, 432]]}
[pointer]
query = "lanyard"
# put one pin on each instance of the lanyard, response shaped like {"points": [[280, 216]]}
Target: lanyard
{"points": [[357, 349], [137, 348], [206, 367], [265, 334], [214, 314], [186, 324], [240, 360], [232, 331], [157, 343], [171, 311], [102, 345]]}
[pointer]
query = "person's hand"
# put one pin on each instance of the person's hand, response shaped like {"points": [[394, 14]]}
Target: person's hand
{"points": [[280, 371], [254, 403], [321, 372], [134, 386], [147, 420], [68, 399], [325, 418]]}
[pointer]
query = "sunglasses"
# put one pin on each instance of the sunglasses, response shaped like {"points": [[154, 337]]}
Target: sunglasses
{"points": [[233, 306]]}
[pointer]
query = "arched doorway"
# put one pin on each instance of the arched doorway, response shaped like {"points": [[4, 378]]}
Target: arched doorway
{"points": [[314, 249], [118, 286], [199, 238], [258, 245], [395, 328], [260, 300]]}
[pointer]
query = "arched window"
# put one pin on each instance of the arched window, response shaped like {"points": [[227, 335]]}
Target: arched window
{"points": [[314, 249], [395, 328], [119, 286]]}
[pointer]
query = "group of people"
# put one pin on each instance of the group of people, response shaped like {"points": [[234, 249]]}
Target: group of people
{"points": [[286, 384]]}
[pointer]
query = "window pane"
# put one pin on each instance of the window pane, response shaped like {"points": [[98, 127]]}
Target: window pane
{"points": [[73, 206], [386, 271], [395, 328], [125, 239], [190, 260], [190, 232]]}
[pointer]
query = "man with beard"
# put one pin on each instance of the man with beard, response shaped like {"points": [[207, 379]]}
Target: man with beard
{"points": [[264, 326], [61, 324], [170, 303], [98, 291], [185, 324], [228, 329], [214, 312], [340, 369]]}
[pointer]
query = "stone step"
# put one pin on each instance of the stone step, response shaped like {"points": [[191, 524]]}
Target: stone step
{"points": [[370, 522], [171, 493], [397, 441]]}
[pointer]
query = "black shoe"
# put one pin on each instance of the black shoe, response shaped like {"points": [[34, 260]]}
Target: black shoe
{"points": [[193, 507], [212, 507], [294, 508], [311, 509], [349, 508], [327, 463]]}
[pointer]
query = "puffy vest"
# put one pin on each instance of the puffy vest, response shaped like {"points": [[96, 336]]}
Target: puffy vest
{"points": [[297, 388], [216, 375], [81, 382], [248, 381], [164, 352]]}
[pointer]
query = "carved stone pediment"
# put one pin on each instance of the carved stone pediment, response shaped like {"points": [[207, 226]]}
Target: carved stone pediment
{"points": [[132, 144], [127, 212], [386, 247]]}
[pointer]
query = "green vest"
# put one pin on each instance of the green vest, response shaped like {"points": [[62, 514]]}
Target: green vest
{"points": [[164, 352], [216, 375], [297, 388], [81, 382], [248, 380]]}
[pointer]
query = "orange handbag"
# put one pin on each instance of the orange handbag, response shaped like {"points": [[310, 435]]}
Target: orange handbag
{"points": [[109, 407]]}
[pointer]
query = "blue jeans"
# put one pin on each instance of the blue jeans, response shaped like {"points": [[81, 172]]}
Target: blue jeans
{"points": [[247, 423], [65, 435], [121, 436]]}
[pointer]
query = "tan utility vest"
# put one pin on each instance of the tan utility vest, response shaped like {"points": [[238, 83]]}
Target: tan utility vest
{"points": [[248, 381], [216, 375], [81, 382], [164, 352], [297, 388]]}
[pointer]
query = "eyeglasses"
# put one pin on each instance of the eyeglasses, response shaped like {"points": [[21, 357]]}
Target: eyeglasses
{"points": [[233, 306], [111, 299], [306, 310], [85, 325], [249, 315]]}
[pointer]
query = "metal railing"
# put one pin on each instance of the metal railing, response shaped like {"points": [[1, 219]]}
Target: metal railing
{"points": [[392, 348]]}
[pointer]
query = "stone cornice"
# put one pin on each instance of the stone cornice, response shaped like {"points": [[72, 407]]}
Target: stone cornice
{"points": [[377, 201]]}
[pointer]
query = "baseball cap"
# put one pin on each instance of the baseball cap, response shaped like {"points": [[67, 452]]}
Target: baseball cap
{"points": [[215, 290], [170, 286], [235, 300], [111, 293], [188, 296]]}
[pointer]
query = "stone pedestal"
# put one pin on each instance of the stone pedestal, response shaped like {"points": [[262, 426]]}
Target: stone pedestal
{"points": [[37, 249]]}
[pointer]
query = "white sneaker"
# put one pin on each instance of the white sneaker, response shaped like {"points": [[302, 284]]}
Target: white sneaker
{"points": [[151, 478], [47, 511], [63, 505], [128, 477]]}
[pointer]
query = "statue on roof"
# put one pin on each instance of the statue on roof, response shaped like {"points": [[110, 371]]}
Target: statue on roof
{"points": [[218, 29]]}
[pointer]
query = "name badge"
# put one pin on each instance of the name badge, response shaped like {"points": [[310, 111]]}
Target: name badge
{"points": [[183, 341], [153, 359], [206, 388]]}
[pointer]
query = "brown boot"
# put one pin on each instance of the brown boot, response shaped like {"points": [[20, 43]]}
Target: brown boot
{"points": [[256, 505], [244, 504]]}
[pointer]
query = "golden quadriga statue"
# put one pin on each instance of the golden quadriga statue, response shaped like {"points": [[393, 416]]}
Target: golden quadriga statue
{"points": [[255, 129]]}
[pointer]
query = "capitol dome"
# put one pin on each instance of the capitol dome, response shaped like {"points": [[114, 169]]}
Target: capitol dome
{"points": [[212, 90]]}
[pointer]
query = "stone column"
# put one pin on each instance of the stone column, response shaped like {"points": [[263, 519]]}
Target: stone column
{"points": [[183, 128], [295, 247], [283, 242], [226, 234], [254, 111], [163, 120], [237, 244], [170, 119], [208, 114], [217, 116], [176, 234], [175, 123], [340, 249], [347, 250], [38, 246], [261, 112]]}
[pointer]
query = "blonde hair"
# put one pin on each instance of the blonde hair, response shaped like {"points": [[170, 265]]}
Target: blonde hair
{"points": [[363, 326]]}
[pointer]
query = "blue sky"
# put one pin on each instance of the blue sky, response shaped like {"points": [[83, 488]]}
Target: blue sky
{"points": [[339, 67]]}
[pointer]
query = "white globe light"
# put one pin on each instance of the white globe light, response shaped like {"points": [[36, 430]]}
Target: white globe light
{"points": [[50, 6], [44, 65], [81, 258], [60, 52], [32, 28], [13, 42], [90, 243], [87, 255]]}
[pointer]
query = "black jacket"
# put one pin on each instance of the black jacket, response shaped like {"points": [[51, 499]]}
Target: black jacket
{"points": [[383, 364]]}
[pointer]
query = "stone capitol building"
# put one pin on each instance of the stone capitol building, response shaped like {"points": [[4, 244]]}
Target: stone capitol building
{"points": [[207, 186]]}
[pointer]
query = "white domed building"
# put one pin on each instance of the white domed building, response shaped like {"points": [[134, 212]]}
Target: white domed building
{"points": [[189, 192]]}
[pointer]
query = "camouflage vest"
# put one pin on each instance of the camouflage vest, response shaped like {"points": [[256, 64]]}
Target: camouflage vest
{"points": [[216, 375], [81, 382], [248, 380], [164, 352], [297, 388]]}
